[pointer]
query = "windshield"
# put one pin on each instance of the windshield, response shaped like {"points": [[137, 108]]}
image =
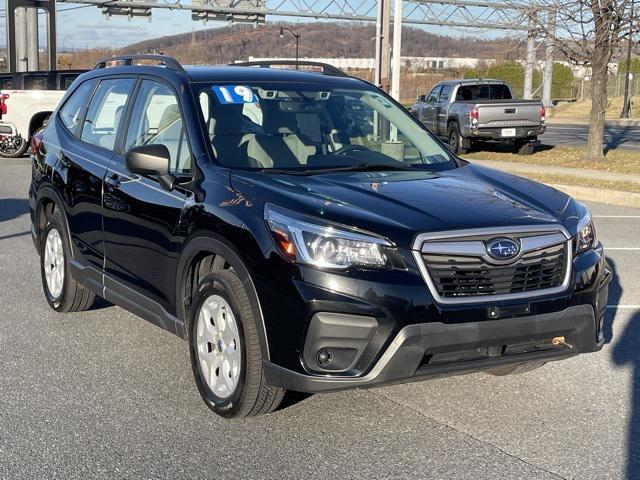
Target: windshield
{"points": [[303, 127]]}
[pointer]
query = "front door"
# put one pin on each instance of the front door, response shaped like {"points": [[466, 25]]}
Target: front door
{"points": [[428, 110], [141, 218]]}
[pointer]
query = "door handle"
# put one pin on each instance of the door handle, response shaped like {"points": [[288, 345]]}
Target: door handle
{"points": [[113, 180]]}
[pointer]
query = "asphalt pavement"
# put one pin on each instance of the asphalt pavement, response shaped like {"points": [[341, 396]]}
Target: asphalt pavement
{"points": [[104, 394], [616, 135]]}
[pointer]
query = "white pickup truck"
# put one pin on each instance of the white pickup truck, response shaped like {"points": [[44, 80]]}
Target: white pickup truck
{"points": [[26, 101]]}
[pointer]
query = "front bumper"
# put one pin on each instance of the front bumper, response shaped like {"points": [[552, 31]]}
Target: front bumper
{"points": [[407, 358], [404, 335]]}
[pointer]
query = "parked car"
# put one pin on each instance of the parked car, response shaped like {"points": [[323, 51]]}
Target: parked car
{"points": [[26, 102], [469, 112], [295, 245]]}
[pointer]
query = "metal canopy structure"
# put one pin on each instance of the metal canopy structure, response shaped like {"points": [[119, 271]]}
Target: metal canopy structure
{"points": [[455, 13], [469, 14]]}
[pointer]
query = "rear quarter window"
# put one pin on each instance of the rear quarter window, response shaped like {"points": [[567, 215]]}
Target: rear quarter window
{"points": [[73, 109]]}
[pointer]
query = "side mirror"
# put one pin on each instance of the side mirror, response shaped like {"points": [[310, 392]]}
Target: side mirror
{"points": [[151, 160], [421, 98]]}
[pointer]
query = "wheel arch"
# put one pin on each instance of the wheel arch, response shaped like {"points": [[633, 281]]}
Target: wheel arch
{"points": [[47, 202], [453, 119], [205, 252], [37, 120]]}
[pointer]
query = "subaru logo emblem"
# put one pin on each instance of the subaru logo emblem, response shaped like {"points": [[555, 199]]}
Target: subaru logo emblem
{"points": [[503, 248]]}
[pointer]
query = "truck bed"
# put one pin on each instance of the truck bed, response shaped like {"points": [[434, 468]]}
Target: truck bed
{"points": [[506, 113]]}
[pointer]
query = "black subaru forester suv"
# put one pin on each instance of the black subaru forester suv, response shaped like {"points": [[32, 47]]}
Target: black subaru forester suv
{"points": [[303, 232]]}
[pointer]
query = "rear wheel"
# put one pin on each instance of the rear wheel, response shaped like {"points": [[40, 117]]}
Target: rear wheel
{"points": [[13, 147], [225, 350], [524, 147], [456, 141], [62, 292]]}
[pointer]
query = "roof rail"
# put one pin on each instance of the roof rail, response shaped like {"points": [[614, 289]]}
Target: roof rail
{"points": [[326, 68], [163, 60]]}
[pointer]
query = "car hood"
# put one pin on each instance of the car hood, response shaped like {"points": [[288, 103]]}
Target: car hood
{"points": [[400, 204]]}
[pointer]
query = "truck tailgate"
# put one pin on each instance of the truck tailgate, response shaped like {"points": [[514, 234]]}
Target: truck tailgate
{"points": [[508, 114]]}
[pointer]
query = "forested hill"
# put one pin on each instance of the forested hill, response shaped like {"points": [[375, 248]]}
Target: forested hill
{"points": [[322, 39]]}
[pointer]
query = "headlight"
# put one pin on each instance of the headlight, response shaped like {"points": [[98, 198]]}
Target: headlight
{"points": [[586, 237], [314, 242]]}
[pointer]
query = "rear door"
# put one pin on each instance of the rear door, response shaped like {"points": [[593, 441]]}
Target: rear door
{"points": [[142, 219], [84, 150]]}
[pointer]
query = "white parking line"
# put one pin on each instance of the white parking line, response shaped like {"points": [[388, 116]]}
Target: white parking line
{"points": [[624, 307]]}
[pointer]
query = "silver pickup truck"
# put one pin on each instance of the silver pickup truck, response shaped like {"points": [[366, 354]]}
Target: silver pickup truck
{"points": [[468, 112]]}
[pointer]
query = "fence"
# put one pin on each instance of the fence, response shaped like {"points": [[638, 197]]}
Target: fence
{"points": [[615, 87]]}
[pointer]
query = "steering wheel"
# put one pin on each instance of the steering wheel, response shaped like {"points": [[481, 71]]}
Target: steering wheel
{"points": [[350, 148]]}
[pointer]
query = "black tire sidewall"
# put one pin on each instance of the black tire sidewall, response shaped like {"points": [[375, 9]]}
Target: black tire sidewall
{"points": [[454, 130], [226, 407], [53, 222]]}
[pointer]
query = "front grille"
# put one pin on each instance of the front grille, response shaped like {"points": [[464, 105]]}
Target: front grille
{"points": [[469, 276]]}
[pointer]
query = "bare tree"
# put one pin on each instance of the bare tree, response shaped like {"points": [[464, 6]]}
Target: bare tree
{"points": [[591, 33]]}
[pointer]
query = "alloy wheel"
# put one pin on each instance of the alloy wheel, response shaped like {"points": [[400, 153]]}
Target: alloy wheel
{"points": [[218, 346], [54, 263]]}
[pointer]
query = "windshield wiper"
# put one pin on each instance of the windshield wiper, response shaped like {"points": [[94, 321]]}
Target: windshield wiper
{"points": [[361, 167]]}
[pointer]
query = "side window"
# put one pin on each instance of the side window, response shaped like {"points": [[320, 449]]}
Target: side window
{"points": [[104, 116], [71, 112], [156, 120], [445, 93], [433, 96]]}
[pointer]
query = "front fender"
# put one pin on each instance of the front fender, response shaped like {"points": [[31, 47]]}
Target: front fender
{"points": [[204, 241]]}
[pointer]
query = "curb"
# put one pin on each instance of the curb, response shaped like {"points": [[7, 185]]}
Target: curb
{"points": [[523, 169], [611, 197], [581, 121]]}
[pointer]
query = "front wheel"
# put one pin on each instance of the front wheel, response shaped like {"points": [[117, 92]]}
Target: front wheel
{"points": [[225, 350]]}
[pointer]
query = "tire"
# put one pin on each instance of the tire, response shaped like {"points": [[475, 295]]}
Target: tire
{"points": [[524, 147], [13, 147], [218, 351], [515, 369], [62, 292], [455, 140]]}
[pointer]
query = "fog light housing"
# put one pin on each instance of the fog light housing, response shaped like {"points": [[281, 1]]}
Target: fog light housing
{"points": [[324, 358]]}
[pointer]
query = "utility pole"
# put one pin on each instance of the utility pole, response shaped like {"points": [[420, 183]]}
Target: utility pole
{"points": [[530, 58], [33, 50], [547, 72], [21, 40], [626, 104], [397, 50], [295, 35], [383, 22]]}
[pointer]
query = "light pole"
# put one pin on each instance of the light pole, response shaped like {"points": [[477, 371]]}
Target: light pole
{"points": [[295, 35], [626, 105]]}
